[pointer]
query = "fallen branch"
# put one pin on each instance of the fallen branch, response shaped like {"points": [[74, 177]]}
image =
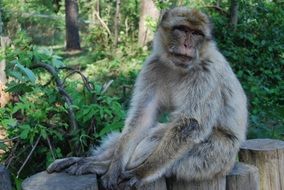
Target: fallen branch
{"points": [[106, 86], [50, 147], [28, 157]]}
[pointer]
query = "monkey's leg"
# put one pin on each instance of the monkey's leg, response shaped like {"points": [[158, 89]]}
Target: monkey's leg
{"points": [[106, 149], [215, 156], [141, 118], [97, 163]]}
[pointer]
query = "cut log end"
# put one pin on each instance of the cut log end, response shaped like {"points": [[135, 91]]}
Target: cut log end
{"points": [[263, 144], [268, 156]]}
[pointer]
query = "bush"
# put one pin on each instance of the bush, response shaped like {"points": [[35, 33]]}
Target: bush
{"points": [[41, 115], [255, 50]]}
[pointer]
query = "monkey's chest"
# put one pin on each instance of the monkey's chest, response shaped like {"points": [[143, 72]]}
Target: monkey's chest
{"points": [[175, 96]]}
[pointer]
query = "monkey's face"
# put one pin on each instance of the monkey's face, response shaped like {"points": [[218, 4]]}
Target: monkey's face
{"points": [[184, 33]]}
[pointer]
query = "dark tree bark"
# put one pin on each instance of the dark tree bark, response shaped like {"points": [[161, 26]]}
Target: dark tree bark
{"points": [[147, 9], [234, 13], [72, 25], [116, 23]]}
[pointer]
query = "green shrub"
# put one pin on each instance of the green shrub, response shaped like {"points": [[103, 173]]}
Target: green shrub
{"points": [[39, 114], [255, 50]]}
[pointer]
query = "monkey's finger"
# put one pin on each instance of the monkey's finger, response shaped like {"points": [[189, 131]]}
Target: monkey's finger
{"points": [[60, 164], [73, 169], [134, 182]]}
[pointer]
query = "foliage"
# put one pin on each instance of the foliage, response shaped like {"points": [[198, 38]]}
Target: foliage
{"points": [[255, 50], [38, 110]]}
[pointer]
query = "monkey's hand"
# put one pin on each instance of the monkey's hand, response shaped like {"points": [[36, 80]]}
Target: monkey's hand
{"points": [[111, 179], [130, 179], [78, 166], [61, 164]]}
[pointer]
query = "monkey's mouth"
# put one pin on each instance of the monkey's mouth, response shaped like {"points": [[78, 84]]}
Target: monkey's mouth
{"points": [[181, 60]]}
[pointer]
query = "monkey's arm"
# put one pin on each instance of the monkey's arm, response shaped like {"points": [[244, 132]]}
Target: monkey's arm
{"points": [[190, 126], [142, 115]]}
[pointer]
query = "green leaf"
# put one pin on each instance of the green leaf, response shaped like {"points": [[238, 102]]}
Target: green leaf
{"points": [[25, 131], [43, 133], [56, 61], [109, 128], [3, 146], [29, 73], [10, 122], [19, 87]]}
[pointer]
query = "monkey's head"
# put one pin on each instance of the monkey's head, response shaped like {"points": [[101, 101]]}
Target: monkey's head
{"points": [[181, 36]]}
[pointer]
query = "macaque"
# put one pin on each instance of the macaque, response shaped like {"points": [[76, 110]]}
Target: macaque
{"points": [[187, 77]]}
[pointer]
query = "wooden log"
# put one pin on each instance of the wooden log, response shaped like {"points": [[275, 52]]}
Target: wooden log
{"points": [[268, 156], [60, 181], [160, 184], [218, 183], [5, 182], [242, 176]]}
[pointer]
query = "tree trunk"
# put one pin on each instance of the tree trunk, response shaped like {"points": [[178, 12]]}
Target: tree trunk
{"points": [[243, 176], [147, 9], [218, 183], [268, 156], [234, 13], [116, 23], [72, 25]]}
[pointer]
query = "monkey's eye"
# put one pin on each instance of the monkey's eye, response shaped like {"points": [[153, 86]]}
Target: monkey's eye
{"points": [[197, 32], [181, 28]]}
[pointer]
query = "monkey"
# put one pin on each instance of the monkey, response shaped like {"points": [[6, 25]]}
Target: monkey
{"points": [[187, 77]]}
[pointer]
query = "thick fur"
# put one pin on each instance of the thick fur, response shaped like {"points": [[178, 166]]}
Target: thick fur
{"points": [[207, 106]]}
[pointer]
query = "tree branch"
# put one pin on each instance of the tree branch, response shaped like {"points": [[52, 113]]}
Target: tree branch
{"points": [[218, 9], [28, 157], [102, 22], [61, 90]]}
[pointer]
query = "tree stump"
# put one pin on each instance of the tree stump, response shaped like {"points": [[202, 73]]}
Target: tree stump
{"points": [[218, 183], [5, 182], [268, 156], [243, 176], [160, 184], [60, 181]]}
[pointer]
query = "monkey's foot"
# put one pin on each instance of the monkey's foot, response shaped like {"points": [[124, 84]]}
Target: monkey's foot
{"points": [[79, 166]]}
